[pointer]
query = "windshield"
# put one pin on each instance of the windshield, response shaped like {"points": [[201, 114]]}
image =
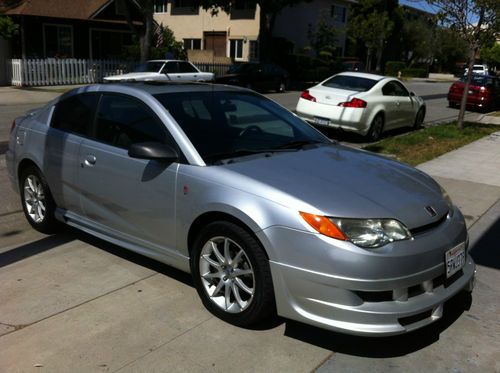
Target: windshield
{"points": [[149, 67], [350, 83], [222, 125], [480, 80]]}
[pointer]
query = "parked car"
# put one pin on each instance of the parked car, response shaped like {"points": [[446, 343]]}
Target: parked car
{"points": [[483, 93], [259, 76], [366, 104], [164, 70], [478, 70], [264, 211]]}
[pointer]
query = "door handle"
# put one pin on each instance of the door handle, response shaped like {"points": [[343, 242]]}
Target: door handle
{"points": [[90, 160]]}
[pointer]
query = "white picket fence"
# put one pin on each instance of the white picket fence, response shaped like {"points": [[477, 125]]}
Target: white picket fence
{"points": [[51, 71]]}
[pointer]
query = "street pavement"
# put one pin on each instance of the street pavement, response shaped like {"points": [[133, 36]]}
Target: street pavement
{"points": [[73, 303]]}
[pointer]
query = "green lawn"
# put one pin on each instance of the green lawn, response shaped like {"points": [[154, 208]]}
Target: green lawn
{"points": [[428, 143]]}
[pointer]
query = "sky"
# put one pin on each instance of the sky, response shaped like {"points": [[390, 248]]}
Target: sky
{"points": [[422, 4]]}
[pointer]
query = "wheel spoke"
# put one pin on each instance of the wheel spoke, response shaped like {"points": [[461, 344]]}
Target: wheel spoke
{"points": [[227, 254], [30, 184], [211, 275], [217, 253], [237, 258], [227, 296], [237, 295], [242, 272], [242, 286], [42, 205], [217, 288], [212, 262], [40, 212]]}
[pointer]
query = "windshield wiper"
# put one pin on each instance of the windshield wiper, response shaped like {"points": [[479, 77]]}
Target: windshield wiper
{"points": [[299, 144]]}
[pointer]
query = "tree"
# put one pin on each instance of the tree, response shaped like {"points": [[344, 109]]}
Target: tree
{"points": [[8, 29], [324, 40], [269, 10], [419, 41], [144, 32], [449, 49], [476, 21], [371, 24], [491, 55]]}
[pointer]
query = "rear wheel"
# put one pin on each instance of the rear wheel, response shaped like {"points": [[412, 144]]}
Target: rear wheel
{"points": [[38, 204], [376, 128], [232, 275]]}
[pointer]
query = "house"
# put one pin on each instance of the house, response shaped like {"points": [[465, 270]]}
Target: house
{"points": [[87, 29], [235, 34], [221, 36], [305, 17]]}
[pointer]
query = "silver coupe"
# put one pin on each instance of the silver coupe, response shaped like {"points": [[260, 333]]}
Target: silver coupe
{"points": [[266, 213]]}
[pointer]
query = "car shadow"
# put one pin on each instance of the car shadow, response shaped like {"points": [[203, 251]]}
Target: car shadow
{"points": [[358, 140], [381, 347], [483, 251]]}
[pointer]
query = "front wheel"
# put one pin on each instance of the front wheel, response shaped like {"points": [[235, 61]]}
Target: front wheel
{"points": [[38, 204], [376, 128], [232, 275]]}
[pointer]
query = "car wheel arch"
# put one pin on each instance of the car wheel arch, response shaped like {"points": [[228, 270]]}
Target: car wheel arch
{"points": [[24, 164], [212, 216]]}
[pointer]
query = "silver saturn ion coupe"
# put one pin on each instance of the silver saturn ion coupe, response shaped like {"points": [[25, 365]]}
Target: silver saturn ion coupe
{"points": [[266, 213]]}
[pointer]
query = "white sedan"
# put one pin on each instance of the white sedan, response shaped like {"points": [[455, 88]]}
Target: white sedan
{"points": [[164, 70], [367, 104]]}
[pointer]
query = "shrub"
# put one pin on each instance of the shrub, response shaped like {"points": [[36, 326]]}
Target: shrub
{"points": [[393, 67], [414, 72]]}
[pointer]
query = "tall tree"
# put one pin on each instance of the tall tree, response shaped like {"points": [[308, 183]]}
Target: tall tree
{"points": [[370, 23], [144, 31], [476, 21], [269, 10]]}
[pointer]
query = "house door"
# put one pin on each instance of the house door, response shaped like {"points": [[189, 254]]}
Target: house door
{"points": [[216, 41]]}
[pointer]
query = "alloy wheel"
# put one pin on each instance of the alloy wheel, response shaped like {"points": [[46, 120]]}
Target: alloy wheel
{"points": [[34, 198]]}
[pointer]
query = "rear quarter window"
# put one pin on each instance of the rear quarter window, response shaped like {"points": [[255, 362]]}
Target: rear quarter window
{"points": [[75, 114]]}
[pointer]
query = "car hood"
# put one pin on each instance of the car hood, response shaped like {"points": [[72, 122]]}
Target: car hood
{"points": [[343, 182], [137, 76]]}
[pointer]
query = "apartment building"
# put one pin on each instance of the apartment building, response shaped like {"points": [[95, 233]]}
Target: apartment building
{"points": [[224, 35]]}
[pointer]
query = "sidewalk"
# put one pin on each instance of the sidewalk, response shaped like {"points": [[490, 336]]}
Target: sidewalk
{"points": [[31, 95]]}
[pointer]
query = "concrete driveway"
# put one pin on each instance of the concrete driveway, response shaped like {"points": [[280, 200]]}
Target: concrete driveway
{"points": [[73, 303]]}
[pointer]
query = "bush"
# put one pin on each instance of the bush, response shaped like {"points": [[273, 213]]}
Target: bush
{"points": [[414, 73], [393, 67]]}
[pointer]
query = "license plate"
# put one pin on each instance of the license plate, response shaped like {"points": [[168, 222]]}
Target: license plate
{"points": [[454, 259], [322, 121]]}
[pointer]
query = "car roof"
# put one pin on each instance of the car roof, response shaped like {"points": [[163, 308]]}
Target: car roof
{"points": [[166, 61], [364, 75], [153, 88]]}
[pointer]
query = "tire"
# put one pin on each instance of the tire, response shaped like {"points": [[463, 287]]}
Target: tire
{"points": [[419, 118], [376, 128], [452, 104], [36, 199], [240, 299]]}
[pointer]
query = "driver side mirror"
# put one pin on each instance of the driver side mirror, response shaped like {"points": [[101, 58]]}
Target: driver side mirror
{"points": [[153, 150], [412, 94]]}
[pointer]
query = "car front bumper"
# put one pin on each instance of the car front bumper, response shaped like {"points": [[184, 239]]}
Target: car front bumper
{"points": [[397, 290]]}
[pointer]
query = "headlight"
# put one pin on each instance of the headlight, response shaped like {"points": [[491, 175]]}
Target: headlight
{"points": [[366, 233], [371, 233]]}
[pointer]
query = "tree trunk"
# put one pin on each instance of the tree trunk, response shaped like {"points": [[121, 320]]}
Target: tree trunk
{"points": [[147, 34], [380, 49], [463, 104], [368, 60], [264, 35]]}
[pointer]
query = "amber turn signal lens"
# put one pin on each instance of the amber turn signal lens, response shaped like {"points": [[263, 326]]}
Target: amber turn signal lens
{"points": [[323, 225]]}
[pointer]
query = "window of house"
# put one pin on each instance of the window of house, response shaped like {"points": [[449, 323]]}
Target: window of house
{"points": [[192, 44], [185, 7], [75, 114], [236, 48], [160, 6], [254, 49], [58, 40], [338, 13], [123, 121]]}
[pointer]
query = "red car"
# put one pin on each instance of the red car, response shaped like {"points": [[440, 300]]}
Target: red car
{"points": [[484, 93]]}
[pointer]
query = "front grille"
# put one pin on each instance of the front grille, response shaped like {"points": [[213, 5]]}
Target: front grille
{"points": [[446, 282], [430, 226], [375, 296]]}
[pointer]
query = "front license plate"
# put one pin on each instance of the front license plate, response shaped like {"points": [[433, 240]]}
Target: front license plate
{"points": [[322, 121], [454, 259]]}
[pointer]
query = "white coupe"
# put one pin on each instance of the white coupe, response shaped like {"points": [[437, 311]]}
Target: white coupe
{"points": [[366, 104], [164, 70]]}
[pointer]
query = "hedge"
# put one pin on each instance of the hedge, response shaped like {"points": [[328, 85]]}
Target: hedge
{"points": [[414, 73]]}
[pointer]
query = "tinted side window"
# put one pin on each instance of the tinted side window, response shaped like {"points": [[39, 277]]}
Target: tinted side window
{"points": [[75, 114], [394, 89], [170, 68], [186, 67], [401, 90], [123, 121]]}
